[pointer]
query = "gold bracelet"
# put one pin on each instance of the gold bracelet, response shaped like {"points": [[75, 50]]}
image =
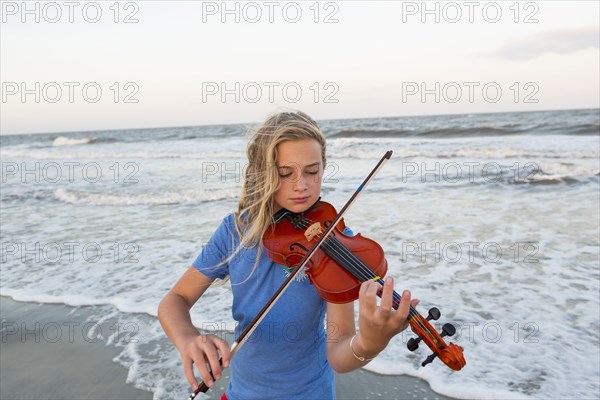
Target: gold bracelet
{"points": [[359, 358]]}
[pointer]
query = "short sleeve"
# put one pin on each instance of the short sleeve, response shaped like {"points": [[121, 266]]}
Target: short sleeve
{"points": [[213, 258], [348, 232]]}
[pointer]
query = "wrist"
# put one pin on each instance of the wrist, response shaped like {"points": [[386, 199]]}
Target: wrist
{"points": [[360, 351], [184, 340]]}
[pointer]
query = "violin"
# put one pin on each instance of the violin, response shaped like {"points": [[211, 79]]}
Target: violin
{"points": [[340, 266], [337, 264]]}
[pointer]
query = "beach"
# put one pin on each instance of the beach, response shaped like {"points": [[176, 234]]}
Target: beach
{"points": [[492, 218], [45, 355], [48, 352]]}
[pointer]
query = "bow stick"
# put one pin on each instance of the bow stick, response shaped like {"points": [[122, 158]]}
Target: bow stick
{"points": [[239, 342]]}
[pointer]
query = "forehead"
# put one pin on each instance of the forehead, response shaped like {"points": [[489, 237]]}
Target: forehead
{"points": [[298, 152]]}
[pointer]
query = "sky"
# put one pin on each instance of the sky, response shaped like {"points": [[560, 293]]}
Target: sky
{"points": [[85, 66]]}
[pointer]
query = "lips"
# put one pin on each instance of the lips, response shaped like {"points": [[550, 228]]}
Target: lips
{"points": [[300, 199]]}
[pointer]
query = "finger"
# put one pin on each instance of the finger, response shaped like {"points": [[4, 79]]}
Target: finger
{"points": [[364, 304], [213, 359], [405, 324], [372, 293], [200, 362], [373, 289], [371, 296], [188, 371], [404, 307], [363, 288], [223, 347], [225, 353], [386, 297]]}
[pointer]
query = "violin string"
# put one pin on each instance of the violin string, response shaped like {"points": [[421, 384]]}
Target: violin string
{"points": [[357, 267], [366, 273], [363, 272]]}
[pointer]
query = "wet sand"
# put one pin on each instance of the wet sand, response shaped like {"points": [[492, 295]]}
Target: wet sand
{"points": [[46, 355]]}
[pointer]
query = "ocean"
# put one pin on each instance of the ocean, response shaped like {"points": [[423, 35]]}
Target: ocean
{"points": [[492, 218]]}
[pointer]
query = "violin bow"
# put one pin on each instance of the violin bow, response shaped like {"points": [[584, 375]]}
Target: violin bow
{"points": [[239, 342]]}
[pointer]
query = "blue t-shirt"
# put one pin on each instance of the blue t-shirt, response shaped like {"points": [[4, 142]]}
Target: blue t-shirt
{"points": [[285, 358]]}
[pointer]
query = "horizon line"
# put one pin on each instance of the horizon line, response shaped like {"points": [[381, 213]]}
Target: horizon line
{"points": [[328, 119]]}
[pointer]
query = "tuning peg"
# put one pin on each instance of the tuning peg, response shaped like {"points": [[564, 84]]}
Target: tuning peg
{"points": [[448, 330], [413, 343], [434, 313], [429, 359]]}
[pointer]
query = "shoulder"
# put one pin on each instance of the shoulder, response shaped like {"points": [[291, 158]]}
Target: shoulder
{"points": [[227, 223], [226, 229]]}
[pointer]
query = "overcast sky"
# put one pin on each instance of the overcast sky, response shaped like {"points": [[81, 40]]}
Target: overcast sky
{"points": [[80, 66]]}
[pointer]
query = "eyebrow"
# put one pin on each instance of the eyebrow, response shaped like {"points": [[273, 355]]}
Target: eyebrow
{"points": [[306, 166]]}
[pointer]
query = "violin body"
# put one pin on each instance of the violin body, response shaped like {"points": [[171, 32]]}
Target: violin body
{"points": [[336, 265], [286, 244], [342, 263]]}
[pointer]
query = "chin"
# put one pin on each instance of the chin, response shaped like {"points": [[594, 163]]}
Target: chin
{"points": [[299, 208]]}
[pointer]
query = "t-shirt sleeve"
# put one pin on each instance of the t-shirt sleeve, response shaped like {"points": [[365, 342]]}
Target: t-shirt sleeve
{"points": [[213, 258], [348, 232]]}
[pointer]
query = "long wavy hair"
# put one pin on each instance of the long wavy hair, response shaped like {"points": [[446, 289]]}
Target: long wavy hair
{"points": [[261, 178]]}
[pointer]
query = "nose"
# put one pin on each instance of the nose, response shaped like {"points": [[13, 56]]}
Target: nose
{"points": [[300, 183]]}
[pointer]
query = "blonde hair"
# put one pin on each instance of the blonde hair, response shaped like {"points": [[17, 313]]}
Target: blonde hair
{"points": [[261, 178]]}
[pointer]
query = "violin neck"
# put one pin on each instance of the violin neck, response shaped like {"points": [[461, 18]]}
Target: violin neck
{"points": [[395, 297], [334, 249]]}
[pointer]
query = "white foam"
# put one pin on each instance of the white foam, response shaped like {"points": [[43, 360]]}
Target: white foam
{"points": [[184, 197], [65, 141], [99, 154], [68, 299], [558, 293]]}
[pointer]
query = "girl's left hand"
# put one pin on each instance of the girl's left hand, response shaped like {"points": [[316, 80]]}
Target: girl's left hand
{"points": [[379, 324]]}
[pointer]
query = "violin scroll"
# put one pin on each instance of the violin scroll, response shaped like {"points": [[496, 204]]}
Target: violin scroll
{"points": [[450, 354], [342, 264]]}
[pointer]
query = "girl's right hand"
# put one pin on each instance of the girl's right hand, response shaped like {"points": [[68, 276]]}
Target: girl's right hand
{"points": [[202, 350]]}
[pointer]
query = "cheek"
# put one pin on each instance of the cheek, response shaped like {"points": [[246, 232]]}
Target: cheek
{"points": [[318, 179], [284, 186], [315, 180]]}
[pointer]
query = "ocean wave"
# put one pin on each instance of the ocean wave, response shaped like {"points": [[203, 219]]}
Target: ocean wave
{"points": [[549, 180], [66, 141], [54, 155], [357, 148], [186, 197], [73, 300], [447, 132], [494, 152], [453, 173], [547, 174], [586, 129], [470, 131], [366, 148], [26, 195]]}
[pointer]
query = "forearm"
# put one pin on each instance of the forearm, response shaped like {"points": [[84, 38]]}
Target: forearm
{"points": [[378, 325], [174, 316], [345, 358]]}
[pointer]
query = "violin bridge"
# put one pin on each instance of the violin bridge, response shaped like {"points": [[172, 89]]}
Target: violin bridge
{"points": [[315, 230]]}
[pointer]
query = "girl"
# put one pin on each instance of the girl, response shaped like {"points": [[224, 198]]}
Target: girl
{"points": [[293, 352]]}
